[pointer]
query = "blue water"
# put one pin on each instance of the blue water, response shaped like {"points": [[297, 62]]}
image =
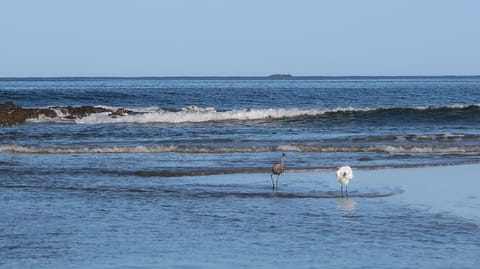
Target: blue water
{"points": [[185, 181]]}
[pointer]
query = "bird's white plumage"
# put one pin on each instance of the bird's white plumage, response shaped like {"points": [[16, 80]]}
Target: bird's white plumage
{"points": [[344, 175]]}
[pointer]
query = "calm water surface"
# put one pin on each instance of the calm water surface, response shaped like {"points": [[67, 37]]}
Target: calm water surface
{"points": [[224, 221]]}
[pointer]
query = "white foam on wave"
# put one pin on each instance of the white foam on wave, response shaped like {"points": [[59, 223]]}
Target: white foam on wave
{"points": [[19, 149], [452, 106], [430, 149], [134, 149], [74, 150], [196, 114]]}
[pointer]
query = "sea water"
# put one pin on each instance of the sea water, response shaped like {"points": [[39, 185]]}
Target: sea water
{"points": [[185, 181]]}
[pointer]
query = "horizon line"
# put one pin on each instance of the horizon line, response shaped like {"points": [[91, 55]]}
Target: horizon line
{"points": [[272, 76]]}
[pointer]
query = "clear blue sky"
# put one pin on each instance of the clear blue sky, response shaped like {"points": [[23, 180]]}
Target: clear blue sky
{"points": [[248, 37]]}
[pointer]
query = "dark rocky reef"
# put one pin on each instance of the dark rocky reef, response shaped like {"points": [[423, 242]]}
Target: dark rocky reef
{"points": [[11, 114]]}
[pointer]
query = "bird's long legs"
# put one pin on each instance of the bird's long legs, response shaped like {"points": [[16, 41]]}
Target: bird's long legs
{"points": [[273, 184], [346, 190]]}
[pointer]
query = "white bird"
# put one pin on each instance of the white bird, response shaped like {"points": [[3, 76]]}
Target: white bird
{"points": [[277, 170], [344, 175]]}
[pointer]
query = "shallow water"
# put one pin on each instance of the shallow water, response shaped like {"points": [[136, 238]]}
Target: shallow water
{"points": [[226, 221]]}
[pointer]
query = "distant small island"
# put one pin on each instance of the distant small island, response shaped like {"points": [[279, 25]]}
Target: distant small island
{"points": [[280, 76]]}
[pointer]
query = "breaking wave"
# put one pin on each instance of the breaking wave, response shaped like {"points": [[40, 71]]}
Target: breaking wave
{"points": [[195, 114], [392, 149]]}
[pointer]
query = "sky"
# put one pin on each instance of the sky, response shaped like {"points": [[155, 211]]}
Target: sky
{"points": [[239, 38]]}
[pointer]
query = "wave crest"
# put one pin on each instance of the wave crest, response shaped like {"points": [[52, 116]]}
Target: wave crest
{"points": [[196, 114], [391, 149]]}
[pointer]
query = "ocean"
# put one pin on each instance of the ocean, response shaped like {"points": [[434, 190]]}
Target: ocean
{"points": [[182, 180]]}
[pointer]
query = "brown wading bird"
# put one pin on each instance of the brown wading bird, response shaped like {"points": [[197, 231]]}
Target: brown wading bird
{"points": [[277, 170]]}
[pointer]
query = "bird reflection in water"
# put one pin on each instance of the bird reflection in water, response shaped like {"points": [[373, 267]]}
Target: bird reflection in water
{"points": [[346, 204]]}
